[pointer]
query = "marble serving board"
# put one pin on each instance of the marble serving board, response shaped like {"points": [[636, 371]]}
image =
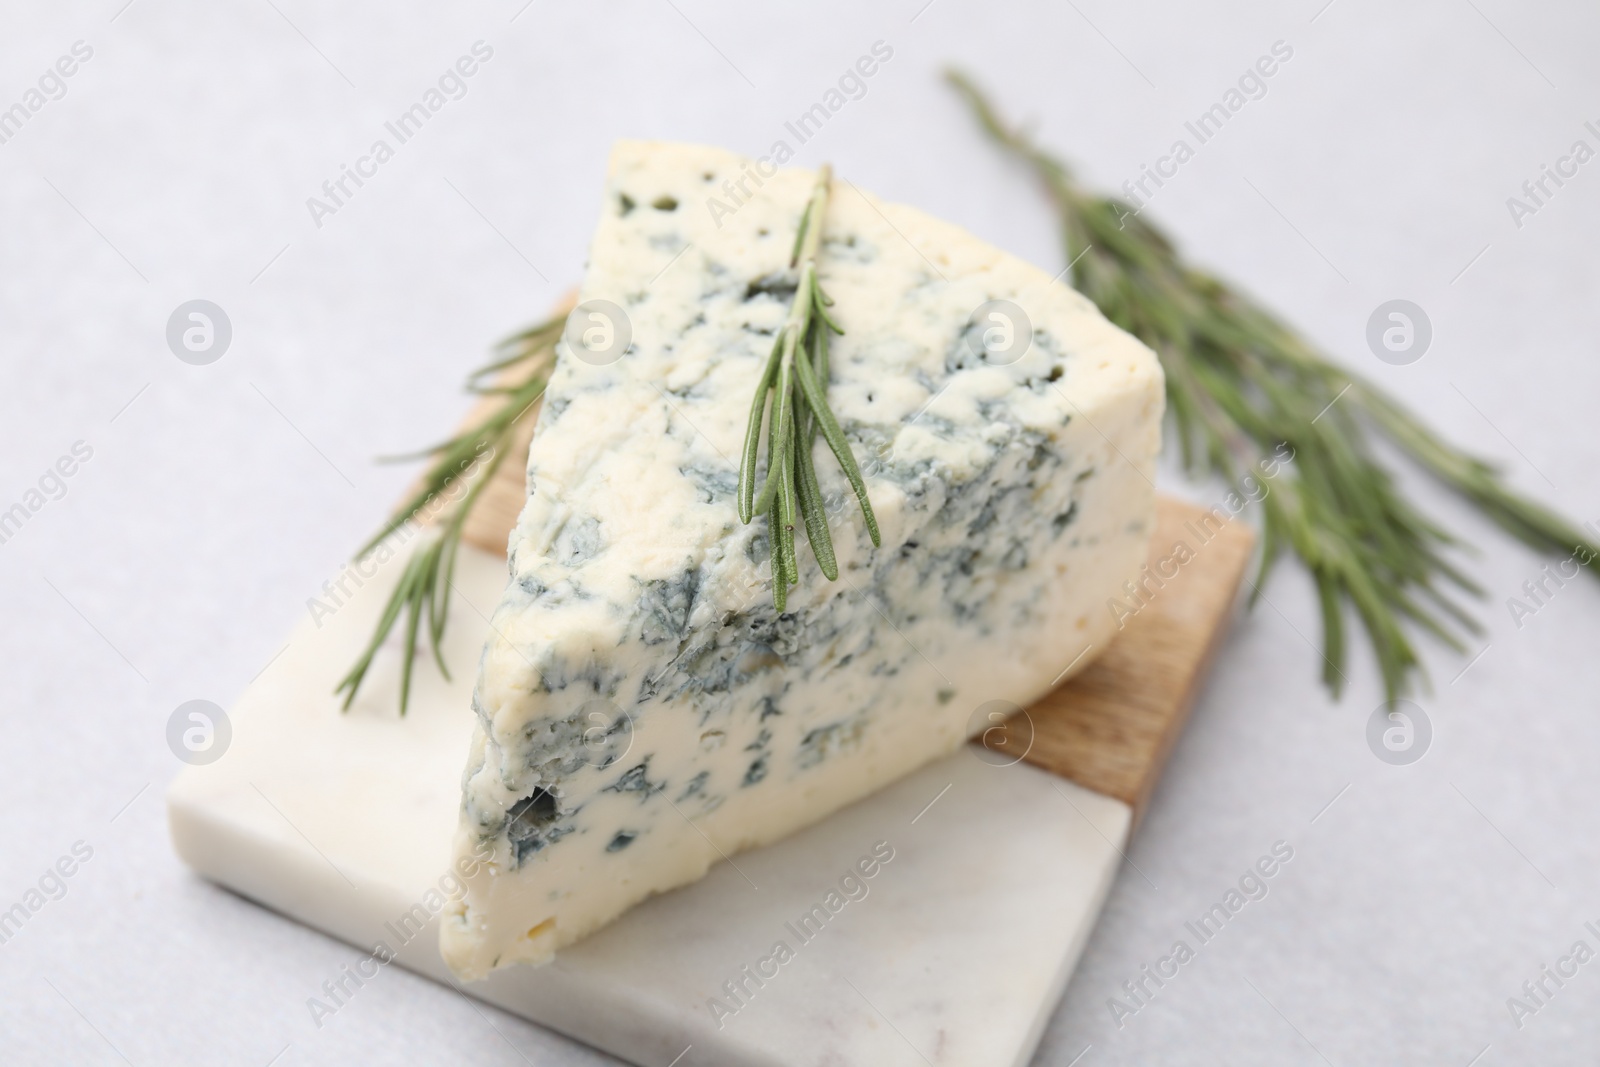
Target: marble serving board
{"points": [[956, 953]]}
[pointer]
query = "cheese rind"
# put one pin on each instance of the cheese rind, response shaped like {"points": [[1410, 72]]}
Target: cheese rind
{"points": [[643, 710]]}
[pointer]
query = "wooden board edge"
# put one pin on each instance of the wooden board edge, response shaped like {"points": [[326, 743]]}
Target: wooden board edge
{"points": [[1240, 557]]}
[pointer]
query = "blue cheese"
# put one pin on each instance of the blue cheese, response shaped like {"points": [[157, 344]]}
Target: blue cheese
{"points": [[642, 709]]}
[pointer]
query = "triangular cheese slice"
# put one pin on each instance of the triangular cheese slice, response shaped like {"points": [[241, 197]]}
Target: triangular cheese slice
{"points": [[643, 711]]}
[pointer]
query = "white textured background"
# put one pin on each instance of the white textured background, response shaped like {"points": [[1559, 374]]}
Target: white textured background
{"points": [[177, 166]]}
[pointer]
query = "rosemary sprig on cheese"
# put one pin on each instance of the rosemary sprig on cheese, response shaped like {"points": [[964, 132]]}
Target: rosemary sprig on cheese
{"points": [[793, 386], [1240, 383], [462, 467]]}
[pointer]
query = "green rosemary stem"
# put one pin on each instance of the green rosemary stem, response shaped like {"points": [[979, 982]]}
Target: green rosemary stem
{"points": [[463, 468], [791, 403], [1242, 386]]}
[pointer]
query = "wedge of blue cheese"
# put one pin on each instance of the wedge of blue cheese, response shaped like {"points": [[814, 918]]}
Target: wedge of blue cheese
{"points": [[643, 711]]}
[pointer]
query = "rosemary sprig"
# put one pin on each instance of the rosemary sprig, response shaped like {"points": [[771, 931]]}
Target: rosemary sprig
{"points": [[1240, 383], [794, 386], [463, 467]]}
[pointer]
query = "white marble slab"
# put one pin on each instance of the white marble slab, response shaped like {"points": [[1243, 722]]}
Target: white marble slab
{"points": [[956, 954]]}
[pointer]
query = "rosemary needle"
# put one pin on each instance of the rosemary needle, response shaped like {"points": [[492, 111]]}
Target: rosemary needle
{"points": [[791, 402], [1241, 383], [463, 467]]}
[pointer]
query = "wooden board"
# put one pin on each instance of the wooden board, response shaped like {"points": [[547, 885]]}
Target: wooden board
{"points": [[1110, 727]]}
